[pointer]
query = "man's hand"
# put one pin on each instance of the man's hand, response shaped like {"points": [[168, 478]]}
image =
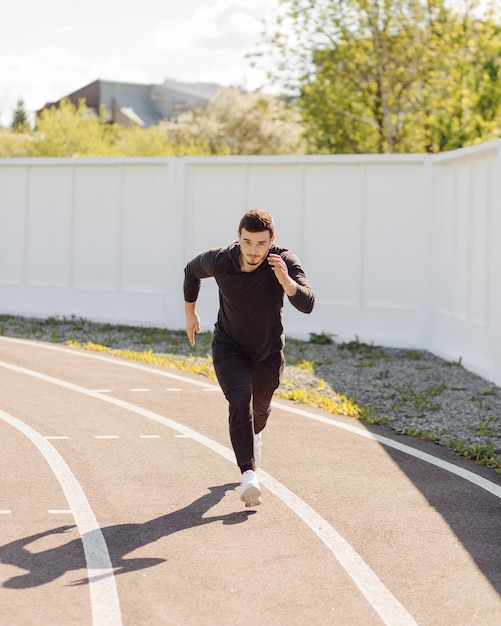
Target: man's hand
{"points": [[279, 267], [192, 321]]}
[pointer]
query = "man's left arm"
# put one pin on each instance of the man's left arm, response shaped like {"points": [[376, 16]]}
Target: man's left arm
{"points": [[290, 274]]}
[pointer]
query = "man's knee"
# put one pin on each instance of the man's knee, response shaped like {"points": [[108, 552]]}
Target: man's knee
{"points": [[262, 411], [239, 400], [239, 396]]}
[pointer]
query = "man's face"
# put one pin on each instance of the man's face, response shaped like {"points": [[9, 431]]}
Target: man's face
{"points": [[254, 247]]}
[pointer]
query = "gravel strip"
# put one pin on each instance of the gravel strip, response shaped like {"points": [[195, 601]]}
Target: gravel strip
{"points": [[409, 391]]}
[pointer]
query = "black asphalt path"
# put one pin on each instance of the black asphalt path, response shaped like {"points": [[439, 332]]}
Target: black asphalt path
{"points": [[119, 505]]}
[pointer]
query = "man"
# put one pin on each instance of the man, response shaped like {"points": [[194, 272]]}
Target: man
{"points": [[247, 346]]}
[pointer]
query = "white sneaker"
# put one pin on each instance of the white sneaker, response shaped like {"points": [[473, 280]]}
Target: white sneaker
{"points": [[258, 442], [250, 493]]}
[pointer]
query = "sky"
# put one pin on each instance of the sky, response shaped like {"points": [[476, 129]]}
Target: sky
{"points": [[49, 49]]}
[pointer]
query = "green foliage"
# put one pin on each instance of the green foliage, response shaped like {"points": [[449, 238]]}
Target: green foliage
{"points": [[72, 130], [13, 144], [368, 355], [322, 338], [236, 123], [232, 123], [20, 123], [413, 355], [481, 454], [487, 428], [393, 76], [408, 399], [419, 434], [153, 142]]}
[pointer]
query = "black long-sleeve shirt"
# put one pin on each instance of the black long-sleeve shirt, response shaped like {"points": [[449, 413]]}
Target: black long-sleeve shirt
{"points": [[250, 303]]}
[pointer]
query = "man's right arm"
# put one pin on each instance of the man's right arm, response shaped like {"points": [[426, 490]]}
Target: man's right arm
{"points": [[198, 268], [192, 321]]}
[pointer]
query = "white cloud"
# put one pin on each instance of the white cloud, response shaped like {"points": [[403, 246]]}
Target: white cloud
{"points": [[228, 24], [211, 45], [203, 40]]}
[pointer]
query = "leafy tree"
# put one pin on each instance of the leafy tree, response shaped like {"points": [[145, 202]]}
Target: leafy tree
{"points": [[239, 123], [71, 130], [233, 123], [155, 141], [13, 144], [387, 75], [468, 98]]}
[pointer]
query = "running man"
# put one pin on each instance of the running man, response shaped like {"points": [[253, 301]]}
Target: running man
{"points": [[247, 346]]}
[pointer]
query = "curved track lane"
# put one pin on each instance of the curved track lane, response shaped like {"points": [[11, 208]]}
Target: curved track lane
{"points": [[142, 510]]}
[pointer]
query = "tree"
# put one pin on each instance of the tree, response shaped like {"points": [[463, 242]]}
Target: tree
{"points": [[156, 141], [71, 130], [13, 144], [387, 75], [468, 97], [20, 123], [239, 123], [233, 123]]}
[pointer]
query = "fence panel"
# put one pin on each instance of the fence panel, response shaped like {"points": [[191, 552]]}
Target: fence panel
{"points": [[466, 278], [401, 249]]}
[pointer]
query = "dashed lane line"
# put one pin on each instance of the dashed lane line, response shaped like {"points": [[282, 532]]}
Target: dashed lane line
{"points": [[384, 603], [50, 511], [102, 586], [65, 437], [479, 481]]}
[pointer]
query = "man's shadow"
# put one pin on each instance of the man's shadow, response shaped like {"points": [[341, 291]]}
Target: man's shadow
{"points": [[44, 567]]}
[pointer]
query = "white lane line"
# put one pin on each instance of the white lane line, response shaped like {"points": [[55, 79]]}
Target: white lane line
{"points": [[56, 437], [5, 511], [479, 481], [99, 357], [102, 586], [102, 390], [379, 597]]}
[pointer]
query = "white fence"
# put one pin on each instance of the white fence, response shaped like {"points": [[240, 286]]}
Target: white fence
{"points": [[401, 250]]}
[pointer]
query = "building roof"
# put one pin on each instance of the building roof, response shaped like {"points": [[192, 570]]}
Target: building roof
{"points": [[142, 104]]}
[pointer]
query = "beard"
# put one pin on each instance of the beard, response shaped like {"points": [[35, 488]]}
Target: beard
{"points": [[254, 260]]}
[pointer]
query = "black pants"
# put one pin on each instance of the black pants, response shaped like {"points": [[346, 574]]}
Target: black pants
{"points": [[248, 386]]}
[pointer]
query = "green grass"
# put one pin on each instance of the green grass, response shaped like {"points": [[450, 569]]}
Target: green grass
{"points": [[414, 403]]}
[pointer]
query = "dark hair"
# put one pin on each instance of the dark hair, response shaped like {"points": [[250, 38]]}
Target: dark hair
{"points": [[257, 220]]}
